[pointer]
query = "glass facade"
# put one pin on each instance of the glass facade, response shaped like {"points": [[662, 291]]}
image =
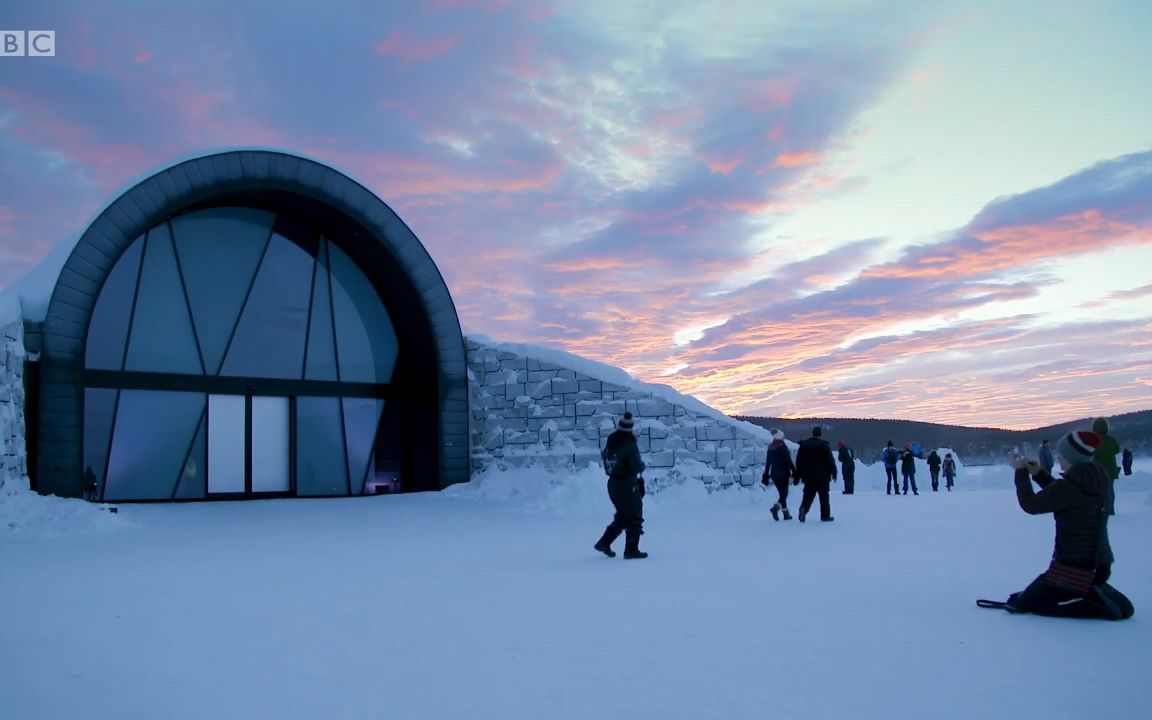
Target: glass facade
{"points": [[235, 352]]}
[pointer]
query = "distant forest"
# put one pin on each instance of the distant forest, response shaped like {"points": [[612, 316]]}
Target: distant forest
{"points": [[974, 445]]}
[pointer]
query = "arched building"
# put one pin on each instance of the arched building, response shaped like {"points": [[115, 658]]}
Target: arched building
{"points": [[248, 324]]}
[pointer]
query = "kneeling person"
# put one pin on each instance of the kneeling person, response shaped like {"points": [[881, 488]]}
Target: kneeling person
{"points": [[1076, 582]]}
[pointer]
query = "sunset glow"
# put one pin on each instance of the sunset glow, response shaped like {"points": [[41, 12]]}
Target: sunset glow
{"points": [[930, 211]]}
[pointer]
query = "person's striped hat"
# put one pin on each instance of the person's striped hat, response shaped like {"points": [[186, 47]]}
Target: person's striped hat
{"points": [[625, 422], [1079, 446]]}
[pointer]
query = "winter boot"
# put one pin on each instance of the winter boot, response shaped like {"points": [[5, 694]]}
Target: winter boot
{"points": [[604, 544], [803, 513], [787, 515], [776, 512], [632, 546]]}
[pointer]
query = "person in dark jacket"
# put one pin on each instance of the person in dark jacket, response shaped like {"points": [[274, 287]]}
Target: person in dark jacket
{"points": [[1076, 582], [847, 460], [934, 469], [890, 458], [908, 467], [1047, 459], [622, 463], [1106, 457], [949, 471], [1126, 461], [816, 467], [779, 469]]}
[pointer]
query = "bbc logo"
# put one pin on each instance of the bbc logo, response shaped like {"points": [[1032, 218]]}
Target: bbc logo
{"points": [[33, 43]]}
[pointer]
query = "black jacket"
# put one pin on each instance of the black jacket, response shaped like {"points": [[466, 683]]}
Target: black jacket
{"points": [[933, 461], [778, 463], [814, 461], [621, 456], [1080, 502], [908, 464]]}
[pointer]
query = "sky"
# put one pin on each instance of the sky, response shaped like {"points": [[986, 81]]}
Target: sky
{"points": [[930, 211]]}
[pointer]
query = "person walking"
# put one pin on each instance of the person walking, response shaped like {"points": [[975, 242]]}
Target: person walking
{"points": [[1126, 461], [890, 457], [816, 467], [1047, 459], [1105, 457], [1075, 585], [949, 471], [779, 469], [847, 460], [908, 467], [625, 468], [934, 469]]}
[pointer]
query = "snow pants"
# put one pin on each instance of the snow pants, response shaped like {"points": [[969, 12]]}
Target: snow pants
{"points": [[812, 489], [892, 485], [629, 505], [1103, 601], [782, 491]]}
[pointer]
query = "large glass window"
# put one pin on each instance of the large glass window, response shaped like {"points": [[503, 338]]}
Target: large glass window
{"points": [[228, 293]]}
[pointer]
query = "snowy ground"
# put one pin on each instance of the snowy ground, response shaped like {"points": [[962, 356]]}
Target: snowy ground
{"points": [[488, 602]]}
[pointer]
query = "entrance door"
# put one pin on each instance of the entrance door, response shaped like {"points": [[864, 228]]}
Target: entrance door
{"points": [[270, 444], [248, 444], [227, 443]]}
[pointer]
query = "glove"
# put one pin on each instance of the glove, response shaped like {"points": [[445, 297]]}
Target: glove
{"points": [[640, 484], [764, 481]]}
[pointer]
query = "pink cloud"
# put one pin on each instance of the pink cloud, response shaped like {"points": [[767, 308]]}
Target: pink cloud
{"points": [[410, 48], [802, 158]]}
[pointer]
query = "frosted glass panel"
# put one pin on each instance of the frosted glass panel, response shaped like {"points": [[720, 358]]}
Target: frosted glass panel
{"points": [[226, 443], [269, 444]]}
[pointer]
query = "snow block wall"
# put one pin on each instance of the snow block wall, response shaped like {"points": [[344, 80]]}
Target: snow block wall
{"points": [[14, 460], [532, 412]]}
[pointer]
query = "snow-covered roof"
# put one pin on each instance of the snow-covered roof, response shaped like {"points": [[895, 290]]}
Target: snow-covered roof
{"points": [[609, 373]]}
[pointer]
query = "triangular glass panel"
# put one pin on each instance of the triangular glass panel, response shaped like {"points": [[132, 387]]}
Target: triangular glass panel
{"points": [[219, 250], [361, 419], [269, 340], [162, 339], [191, 484], [366, 344], [99, 414], [321, 362], [108, 327]]}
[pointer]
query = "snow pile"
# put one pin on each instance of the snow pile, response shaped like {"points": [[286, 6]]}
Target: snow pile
{"points": [[537, 489], [28, 515]]}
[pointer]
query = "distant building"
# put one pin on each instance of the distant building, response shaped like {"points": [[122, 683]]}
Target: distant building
{"points": [[246, 324]]}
